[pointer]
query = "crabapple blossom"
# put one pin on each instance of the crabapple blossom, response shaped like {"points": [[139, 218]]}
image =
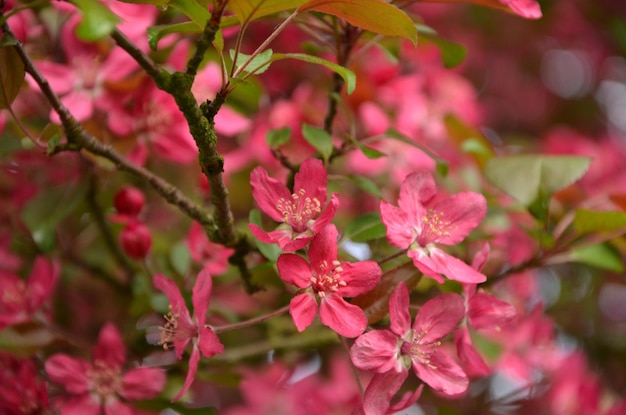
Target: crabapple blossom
{"points": [[391, 352], [100, 385], [181, 328], [420, 221], [325, 279], [21, 391], [303, 213], [212, 256]]}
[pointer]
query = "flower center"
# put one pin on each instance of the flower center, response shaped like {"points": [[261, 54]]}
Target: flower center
{"points": [[328, 280], [14, 298], [299, 209], [419, 351], [172, 331], [434, 225], [105, 380]]}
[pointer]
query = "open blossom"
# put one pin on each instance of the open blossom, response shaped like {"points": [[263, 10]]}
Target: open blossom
{"points": [[419, 222], [302, 213], [100, 385], [21, 391], [212, 256], [391, 352], [327, 280], [20, 300], [181, 328]]}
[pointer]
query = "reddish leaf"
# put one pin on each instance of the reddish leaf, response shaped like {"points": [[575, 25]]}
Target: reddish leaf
{"points": [[376, 302], [11, 75], [525, 8]]}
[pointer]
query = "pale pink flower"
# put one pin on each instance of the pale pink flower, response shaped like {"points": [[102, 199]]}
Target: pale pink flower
{"points": [[303, 213], [420, 222], [327, 280], [391, 352], [529, 9], [100, 385], [181, 328], [212, 256], [21, 300]]}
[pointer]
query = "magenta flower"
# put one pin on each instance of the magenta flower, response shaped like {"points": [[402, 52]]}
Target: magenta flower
{"points": [[391, 352], [181, 328], [327, 280], [302, 213], [20, 300], [100, 386], [22, 392], [528, 9], [419, 222]]}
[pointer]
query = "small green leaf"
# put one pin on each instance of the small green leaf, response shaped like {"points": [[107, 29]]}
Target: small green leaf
{"points": [[348, 76], [587, 221], [452, 54], [377, 16], [528, 178], [180, 258], [25, 339], [320, 139], [600, 256], [11, 75], [156, 33], [259, 64], [192, 9], [98, 21], [365, 228], [269, 251], [366, 185], [278, 137], [247, 10]]}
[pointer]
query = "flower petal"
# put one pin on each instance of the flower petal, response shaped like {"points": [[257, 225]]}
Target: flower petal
{"points": [[110, 348], [399, 310], [171, 291], [80, 405], [69, 372], [209, 343], [473, 364], [488, 312], [41, 281], [417, 189], [376, 350], [360, 278], [346, 319], [303, 309], [323, 249], [312, 177], [200, 296], [381, 390], [293, 269], [399, 226], [194, 359], [442, 374], [459, 214], [327, 215], [142, 383], [267, 191], [439, 316]]}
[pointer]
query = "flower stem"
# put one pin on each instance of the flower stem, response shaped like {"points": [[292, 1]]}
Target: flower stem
{"points": [[251, 322]]}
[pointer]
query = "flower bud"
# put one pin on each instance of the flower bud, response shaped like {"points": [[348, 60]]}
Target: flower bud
{"points": [[129, 201], [136, 240]]}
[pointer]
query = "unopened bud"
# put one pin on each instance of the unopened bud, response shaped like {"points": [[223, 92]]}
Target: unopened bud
{"points": [[136, 240], [129, 201]]}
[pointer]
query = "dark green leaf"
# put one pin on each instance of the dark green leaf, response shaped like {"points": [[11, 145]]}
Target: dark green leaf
{"points": [[11, 75], [278, 137], [156, 33], [452, 54], [365, 228], [259, 64], [348, 76], [587, 221], [98, 21], [318, 138], [192, 9], [366, 185], [600, 256]]}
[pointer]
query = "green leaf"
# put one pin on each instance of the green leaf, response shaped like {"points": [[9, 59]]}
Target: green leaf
{"points": [[486, 347], [156, 33], [180, 258], [278, 137], [529, 178], [320, 139], [98, 21], [452, 54], [348, 76], [192, 9], [43, 214], [601, 256], [469, 139], [157, 3], [25, 339], [587, 221], [259, 64], [246, 10], [269, 251], [11, 75], [377, 16], [365, 228], [366, 185]]}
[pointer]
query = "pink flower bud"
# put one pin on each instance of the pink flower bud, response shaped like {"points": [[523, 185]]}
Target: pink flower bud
{"points": [[136, 240], [129, 201]]}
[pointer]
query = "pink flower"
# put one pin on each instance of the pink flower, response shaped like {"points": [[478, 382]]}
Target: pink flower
{"points": [[298, 210], [21, 392], [214, 257], [20, 300], [100, 386], [419, 222], [181, 328], [390, 352], [326, 279], [529, 9]]}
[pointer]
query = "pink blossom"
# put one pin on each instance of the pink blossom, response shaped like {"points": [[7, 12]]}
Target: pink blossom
{"points": [[529, 9], [181, 328], [303, 213], [391, 352], [420, 222], [21, 392], [101, 384], [327, 280], [21, 300], [214, 257]]}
